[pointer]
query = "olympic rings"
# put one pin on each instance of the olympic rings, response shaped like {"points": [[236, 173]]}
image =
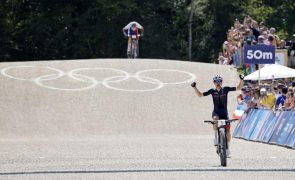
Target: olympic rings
{"points": [[3, 72], [108, 82], [160, 84]]}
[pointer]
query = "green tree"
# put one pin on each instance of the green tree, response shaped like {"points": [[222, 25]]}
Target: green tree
{"points": [[78, 29]]}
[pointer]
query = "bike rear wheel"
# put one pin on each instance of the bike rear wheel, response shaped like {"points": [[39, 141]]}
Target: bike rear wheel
{"points": [[222, 152]]}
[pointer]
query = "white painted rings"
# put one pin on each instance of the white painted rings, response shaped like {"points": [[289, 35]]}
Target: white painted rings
{"points": [[91, 82]]}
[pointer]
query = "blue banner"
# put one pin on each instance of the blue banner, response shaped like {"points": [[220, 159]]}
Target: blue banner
{"points": [[268, 129], [265, 126], [291, 138], [241, 125], [250, 126], [259, 54], [279, 134], [285, 128], [263, 117]]}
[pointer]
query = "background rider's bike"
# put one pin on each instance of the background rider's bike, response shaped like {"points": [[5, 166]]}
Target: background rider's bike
{"points": [[134, 50], [222, 144]]}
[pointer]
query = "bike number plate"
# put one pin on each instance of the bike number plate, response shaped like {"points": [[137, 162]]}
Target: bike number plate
{"points": [[133, 36], [221, 123]]}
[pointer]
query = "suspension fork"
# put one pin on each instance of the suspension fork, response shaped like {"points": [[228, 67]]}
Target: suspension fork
{"points": [[225, 133], [219, 136]]}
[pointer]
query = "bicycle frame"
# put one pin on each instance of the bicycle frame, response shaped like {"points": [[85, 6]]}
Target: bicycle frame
{"points": [[221, 126], [133, 41], [222, 145], [134, 48]]}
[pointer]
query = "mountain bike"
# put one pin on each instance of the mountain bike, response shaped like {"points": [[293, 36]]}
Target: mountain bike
{"points": [[134, 50], [222, 144]]}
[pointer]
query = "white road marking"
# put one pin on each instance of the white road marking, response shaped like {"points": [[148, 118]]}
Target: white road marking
{"points": [[74, 74]]}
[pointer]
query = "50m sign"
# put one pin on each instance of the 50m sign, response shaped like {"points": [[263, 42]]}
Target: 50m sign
{"points": [[259, 54]]}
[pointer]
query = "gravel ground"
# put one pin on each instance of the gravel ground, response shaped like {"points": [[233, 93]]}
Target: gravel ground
{"points": [[114, 133]]}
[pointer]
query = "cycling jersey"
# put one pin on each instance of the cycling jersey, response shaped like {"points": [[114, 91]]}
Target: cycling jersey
{"points": [[220, 101], [132, 32]]}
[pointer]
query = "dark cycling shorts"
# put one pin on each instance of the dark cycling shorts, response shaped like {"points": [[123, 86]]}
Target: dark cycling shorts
{"points": [[222, 114]]}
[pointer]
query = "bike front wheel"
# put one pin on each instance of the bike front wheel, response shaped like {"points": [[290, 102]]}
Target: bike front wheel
{"points": [[134, 49], [222, 152]]}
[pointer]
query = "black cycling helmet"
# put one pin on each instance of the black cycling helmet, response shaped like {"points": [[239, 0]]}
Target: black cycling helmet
{"points": [[217, 79]]}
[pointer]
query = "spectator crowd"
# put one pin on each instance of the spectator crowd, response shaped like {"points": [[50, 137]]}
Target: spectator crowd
{"points": [[274, 95], [251, 32]]}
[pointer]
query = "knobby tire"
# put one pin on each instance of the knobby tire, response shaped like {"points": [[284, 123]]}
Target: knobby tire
{"points": [[222, 153]]}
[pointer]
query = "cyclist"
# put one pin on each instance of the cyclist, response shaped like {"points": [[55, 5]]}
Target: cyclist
{"points": [[219, 95], [131, 31]]}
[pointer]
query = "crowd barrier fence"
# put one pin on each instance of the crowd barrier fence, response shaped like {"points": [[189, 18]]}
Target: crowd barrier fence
{"points": [[266, 126]]}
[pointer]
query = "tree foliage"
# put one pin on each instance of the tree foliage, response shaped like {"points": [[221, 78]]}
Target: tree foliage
{"points": [[76, 29]]}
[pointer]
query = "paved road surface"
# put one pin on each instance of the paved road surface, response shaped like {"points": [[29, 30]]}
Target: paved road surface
{"points": [[135, 125]]}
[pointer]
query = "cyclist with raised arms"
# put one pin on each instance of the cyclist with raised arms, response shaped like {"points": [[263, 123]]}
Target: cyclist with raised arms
{"points": [[219, 95], [131, 31]]}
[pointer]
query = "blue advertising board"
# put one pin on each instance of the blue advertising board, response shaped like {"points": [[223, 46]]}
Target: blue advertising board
{"points": [[288, 133], [291, 139], [242, 122], [259, 54], [254, 119], [263, 117], [279, 132], [266, 126]]}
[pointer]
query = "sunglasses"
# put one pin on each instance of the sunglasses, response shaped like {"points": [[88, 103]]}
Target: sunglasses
{"points": [[217, 81]]}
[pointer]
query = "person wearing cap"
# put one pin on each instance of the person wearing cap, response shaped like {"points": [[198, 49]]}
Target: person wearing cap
{"points": [[245, 95], [280, 103], [260, 39], [267, 100]]}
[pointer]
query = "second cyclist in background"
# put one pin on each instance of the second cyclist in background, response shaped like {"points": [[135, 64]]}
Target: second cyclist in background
{"points": [[133, 30]]}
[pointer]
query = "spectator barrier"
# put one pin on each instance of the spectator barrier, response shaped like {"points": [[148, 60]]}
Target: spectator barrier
{"points": [[265, 126]]}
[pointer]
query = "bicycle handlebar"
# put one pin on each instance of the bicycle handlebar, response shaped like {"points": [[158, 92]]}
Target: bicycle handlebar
{"points": [[215, 121]]}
